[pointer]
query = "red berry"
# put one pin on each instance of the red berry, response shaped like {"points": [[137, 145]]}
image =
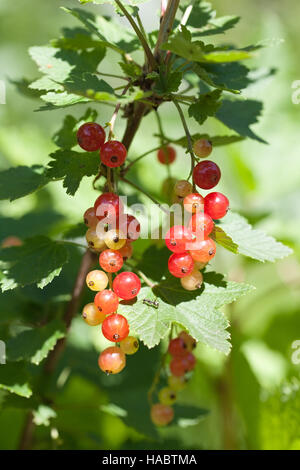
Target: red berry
{"points": [[108, 205], [126, 251], [111, 261], [216, 205], [180, 264], [161, 415], [206, 174], [204, 250], [191, 361], [193, 203], [127, 285], [113, 153], [177, 347], [90, 218], [112, 360], [201, 224], [106, 301], [90, 136], [178, 238], [115, 328], [179, 365], [166, 155], [189, 341], [130, 226]]}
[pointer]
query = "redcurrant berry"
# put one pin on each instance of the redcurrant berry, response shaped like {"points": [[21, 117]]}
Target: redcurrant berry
{"points": [[91, 315], [180, 264], [111, 261], [95, 243], [193, 281], [90, 136], [129, 345], [90, 218], [206, 174], [178, 238], [115, 328], [133, 228], [108, 205], [204, 250], [177, 383], [161, 415], [191, 361], [189, 341], [216, 205], [112, 360], [106, 301], [202, 148], [126, 251], [179, 365], [11, 241], [177, 347], [113, 153], [201, 224], [182, 188], [166, 155], [193, 203], [167, 396], [114, 239], [199, 266], [127, 285], [96, 280]]}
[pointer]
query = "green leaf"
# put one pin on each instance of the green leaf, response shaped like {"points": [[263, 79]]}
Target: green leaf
{"points": [[240, 115], [216, 141], [37, 261], [231, 77], [72, 167], [14, 379], [66, 136], [109, 32], [167, 81], [61, 100], [21, 180], [181, 44], [223, 239], [36, 343], [227, 56], [43, 415], [207, 105], [217, 26], [131, 69], [251, 242], [76, 39], [196, 311]]}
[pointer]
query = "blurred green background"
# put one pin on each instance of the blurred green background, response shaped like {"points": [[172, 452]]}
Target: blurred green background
{"points": [[253, 395]]}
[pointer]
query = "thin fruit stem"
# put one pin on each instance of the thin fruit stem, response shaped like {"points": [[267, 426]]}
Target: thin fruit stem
{"points": [[149, 55], [188, 136], [120, 77], [139, 158], [112, 122], [125, 180], [157, 375]]}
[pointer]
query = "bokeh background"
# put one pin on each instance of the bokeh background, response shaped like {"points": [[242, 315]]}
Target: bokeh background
{"points": [[253, 395]]}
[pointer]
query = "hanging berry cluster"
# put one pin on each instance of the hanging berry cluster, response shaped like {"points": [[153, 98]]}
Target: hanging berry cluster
{"points": [[110, 233], [192, 247], [182, 363]]}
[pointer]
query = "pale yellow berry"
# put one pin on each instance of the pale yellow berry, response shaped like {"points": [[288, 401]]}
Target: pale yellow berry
{"points": [[115, 239], [129, 345], [91, 315], [177, 383], [167, 396], [182, 188], [199, 266], [202, 148], [97, 280], [94, 242], [193, 281]]}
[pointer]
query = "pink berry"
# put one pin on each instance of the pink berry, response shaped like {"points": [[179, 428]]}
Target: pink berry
{"points": [[206, 174]]}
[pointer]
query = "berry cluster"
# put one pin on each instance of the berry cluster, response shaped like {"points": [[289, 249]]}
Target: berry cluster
{"points": [[182, 362], [191, 246], [91, 137], [111, 233]]}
